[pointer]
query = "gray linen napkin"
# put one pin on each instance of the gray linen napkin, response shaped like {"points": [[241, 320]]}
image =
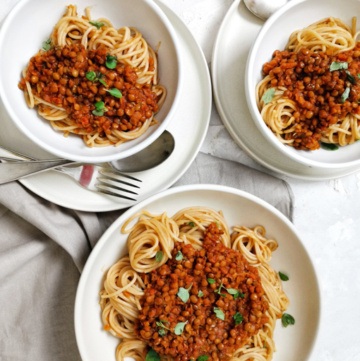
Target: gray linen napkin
{"points": [[43, 248]]}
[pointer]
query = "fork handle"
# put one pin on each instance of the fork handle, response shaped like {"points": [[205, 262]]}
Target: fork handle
{"points": [[12, 171]]}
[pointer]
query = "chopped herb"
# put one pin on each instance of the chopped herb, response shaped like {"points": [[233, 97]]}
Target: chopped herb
{"points": [[162, 332], [345, 94], [238, 318], [235, 293], [115, 92], [179, 256], [152, 356], [46, 45], [268, 95], [97, 24], [219, 313], [111, 61], [287, 320], [179, 328], [350, 77], [358, 76], [211, 281], [218, 290], [200, 293], [103, 82], [184, 294], [329, 146], [100, 108], [202, 358], [338, 65], [283, 276], [191, 224], [159, 256], [91, 75]]}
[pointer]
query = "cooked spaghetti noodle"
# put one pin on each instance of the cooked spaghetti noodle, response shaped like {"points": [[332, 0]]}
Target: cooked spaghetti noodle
{"points": [[94, 80], [127, 297], [310, 91]]}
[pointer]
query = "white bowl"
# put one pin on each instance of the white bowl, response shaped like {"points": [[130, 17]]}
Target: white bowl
{"points": [[238, 207], [30, 23], [274, 35]]}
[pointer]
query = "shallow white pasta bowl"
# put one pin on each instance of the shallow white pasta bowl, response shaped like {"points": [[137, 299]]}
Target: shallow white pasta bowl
{"points": [[31, 22], [274, 35], [239, 208]]}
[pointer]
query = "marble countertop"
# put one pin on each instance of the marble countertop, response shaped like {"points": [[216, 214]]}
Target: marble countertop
{"points": [[326, 213]]}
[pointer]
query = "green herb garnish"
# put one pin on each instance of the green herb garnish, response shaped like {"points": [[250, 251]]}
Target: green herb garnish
{"points": [[202, 358], [211, 281], [93, 76], [152, 356], [268, 96], [219, 313], [179, 328], [111, 61], [179, 256], [329, 146], [100, 109], [159, 256], [97, 24], [235, 293], [184, 294], [200, 293], [238, 318], [283, 276], [287, 320], [338, 65], [345, 94], [191, 224], [115, 92], [350, 77], [46, 45]]}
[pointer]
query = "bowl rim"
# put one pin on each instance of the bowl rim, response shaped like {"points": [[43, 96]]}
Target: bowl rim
{"points": [[116, 154], [255, 114]]}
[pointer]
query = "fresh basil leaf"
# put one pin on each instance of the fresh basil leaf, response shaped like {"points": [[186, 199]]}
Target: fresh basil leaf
{"points": [[152, 356], [202, 358], [162, 332], [268, 96], [111, 61], [91, 75], [283, 276], [97, 24], [179, 256], [211, 281], [159, 256], [179, 328], [46, 45], [350, 77], [115, 92], [219, 313], [100, 108], [200, 293], [103, 82], [338, 65], [238, 318], [345, 94], [183, 294], [329, 146], [287, 320]]}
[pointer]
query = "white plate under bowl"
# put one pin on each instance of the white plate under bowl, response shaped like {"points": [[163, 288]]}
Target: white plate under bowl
{"points": [[235, 37], [274, 35], [293, 343], [189, 128], [31, 22]]}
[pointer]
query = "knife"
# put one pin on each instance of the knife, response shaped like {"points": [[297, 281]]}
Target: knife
{"points": [[14, 170]]}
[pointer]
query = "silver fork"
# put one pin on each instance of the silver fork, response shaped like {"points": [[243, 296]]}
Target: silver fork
{"points": [[104, 179]]}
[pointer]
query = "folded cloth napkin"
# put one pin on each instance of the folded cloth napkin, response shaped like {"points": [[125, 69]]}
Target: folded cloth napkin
{"points": [[43, 248]]}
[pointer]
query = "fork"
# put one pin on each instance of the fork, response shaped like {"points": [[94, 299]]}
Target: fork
{"points": [[101, 178]]}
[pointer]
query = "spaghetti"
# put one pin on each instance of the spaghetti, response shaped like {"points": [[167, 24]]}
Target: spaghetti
{"points": [[95, 81], [310, 92], [195, 253]]}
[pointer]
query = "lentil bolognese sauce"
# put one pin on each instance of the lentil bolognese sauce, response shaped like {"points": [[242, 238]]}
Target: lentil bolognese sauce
{"points": [[94, 81], [191, 290], [310, 91]]}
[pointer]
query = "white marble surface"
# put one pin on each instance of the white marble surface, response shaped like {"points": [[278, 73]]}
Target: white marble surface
{"points": [[327, 213]]}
